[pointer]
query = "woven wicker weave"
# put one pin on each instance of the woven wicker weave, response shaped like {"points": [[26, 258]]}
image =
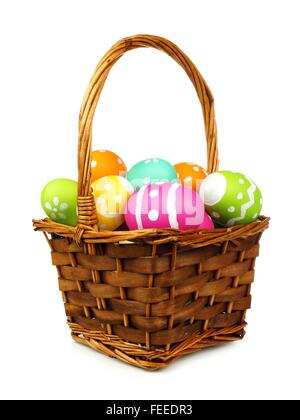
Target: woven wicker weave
{"points": [[148, 297]]}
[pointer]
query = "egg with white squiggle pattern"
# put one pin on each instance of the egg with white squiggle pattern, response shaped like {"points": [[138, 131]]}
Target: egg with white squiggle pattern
{"points": [[111, 194], [231, 198]]}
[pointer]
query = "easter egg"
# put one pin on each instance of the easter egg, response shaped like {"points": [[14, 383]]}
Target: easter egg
{"points": [[111, 194], [151, 171], [231, 198], [207, 222], [190, 174], [59, 201], [166, 205], [106, 163]]}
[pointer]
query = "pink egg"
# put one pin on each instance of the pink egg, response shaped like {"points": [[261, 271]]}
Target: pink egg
{"points": [[165, 205], [207, 222]]}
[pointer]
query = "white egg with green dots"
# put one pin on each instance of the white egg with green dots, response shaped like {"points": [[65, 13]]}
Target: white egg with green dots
{"points": [[231, 198]]}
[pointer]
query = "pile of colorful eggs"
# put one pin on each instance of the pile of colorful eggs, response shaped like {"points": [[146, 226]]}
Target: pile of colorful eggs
{"points": [[156, 194]]}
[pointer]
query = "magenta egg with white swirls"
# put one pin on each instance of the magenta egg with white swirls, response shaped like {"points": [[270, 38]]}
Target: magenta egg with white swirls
{"points": [[166, 205]]}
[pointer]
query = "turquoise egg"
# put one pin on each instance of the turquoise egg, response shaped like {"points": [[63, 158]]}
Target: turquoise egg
{"points": [[59, 201], [151, 171]]}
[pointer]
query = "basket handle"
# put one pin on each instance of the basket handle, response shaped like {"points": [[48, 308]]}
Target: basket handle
{"points": [[86, 207]]}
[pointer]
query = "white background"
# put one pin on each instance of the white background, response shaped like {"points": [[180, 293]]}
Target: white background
{"points": [[248, 51]]}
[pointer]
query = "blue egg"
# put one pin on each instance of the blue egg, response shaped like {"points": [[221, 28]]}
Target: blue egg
{"points": [[151, 171]]}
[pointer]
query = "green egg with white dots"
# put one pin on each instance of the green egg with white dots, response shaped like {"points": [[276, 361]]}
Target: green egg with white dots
{"points": [[59, 201], [231, 198], [151, 171]]}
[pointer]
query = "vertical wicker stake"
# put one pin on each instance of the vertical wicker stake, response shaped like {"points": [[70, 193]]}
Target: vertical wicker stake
{"points": [[172, 289], [217, 276], [199, 272], [235, 283], [148, 305], [122, 291], [91, 249], [79, 287], [152, 331]]}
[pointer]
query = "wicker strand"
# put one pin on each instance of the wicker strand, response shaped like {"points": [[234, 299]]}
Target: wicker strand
{"points": [[217, 276], [80, 288], [235, 282], [196, 297], [148, 305], [122, 291], [152, 360], [172, 289], [193, 238]]}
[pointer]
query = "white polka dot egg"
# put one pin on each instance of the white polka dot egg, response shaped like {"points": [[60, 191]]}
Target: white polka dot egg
{"points": [[111, 194], [231, 198]]}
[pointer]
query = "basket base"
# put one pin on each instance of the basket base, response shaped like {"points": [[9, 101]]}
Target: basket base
{"points": [[158, 358]]}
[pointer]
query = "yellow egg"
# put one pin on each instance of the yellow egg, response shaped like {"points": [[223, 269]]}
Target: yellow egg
{"points": [[111, 194]]}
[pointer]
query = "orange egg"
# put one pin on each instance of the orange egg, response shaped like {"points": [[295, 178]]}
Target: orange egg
{"points": [[190, 174], [105, 163]]}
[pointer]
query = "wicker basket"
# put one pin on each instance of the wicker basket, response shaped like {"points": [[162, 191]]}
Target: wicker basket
{"points": [[148, 297]]}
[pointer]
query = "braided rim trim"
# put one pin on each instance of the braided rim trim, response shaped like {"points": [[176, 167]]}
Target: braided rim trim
{"points": [[194, 238]]}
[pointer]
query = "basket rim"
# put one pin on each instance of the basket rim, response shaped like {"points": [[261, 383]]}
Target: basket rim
{"points": [[196, 237]]}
